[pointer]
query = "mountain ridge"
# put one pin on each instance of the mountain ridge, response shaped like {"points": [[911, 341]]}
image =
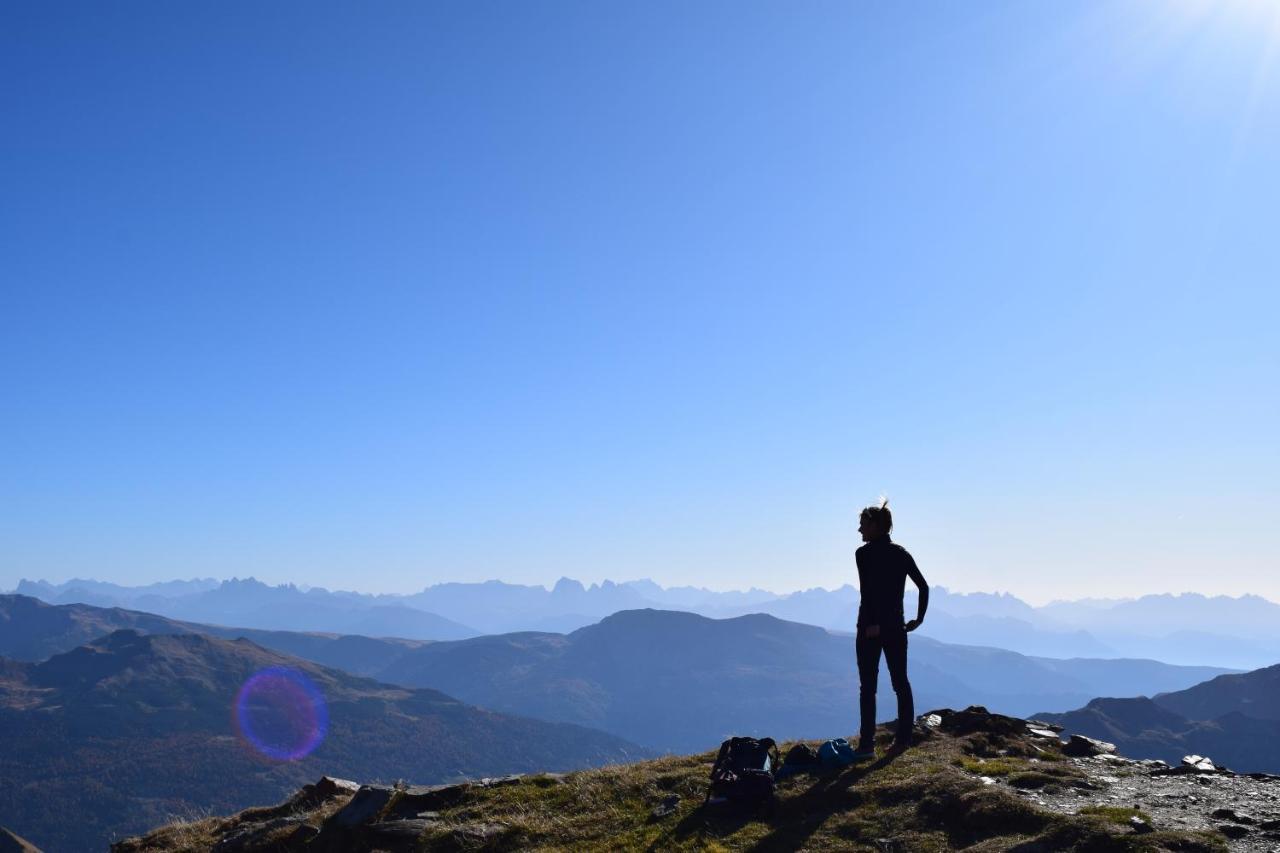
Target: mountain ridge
{"points": [[1184, 628], [133, 726]]}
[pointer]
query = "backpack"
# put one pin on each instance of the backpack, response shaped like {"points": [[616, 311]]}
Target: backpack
{"points": [[743, 771], [836, 753], [801, 758]]}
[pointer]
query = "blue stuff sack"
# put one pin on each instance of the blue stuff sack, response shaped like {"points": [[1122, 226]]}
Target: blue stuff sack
{"points": [[836, 753]]}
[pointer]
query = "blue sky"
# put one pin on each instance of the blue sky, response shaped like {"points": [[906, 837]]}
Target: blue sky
{"points": [[376, 297]]}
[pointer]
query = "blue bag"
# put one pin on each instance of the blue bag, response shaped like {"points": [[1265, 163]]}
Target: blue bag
{"points": [[836, 753]]}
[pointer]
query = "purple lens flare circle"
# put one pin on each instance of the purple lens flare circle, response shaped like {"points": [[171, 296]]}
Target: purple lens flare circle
{"points": [[281, 713]]}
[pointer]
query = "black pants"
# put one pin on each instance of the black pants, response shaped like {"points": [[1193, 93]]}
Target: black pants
{"points": [[894, 646]]}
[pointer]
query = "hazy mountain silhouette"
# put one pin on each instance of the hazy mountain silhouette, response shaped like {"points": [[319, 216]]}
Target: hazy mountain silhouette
{"points": [[133, 728], [1185, 629], [1233, 719], [1253, 694], [251, 604], [588, 676], [105, 594], [31, 630], [680, 681]]}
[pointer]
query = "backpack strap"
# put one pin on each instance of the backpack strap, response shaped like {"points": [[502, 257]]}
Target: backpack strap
{"points": [[772, 747], [719, 763]]}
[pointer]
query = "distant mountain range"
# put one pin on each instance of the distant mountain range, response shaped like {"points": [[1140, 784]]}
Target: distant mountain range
{"points": [[680, 681], [132, 729], [1233, 719], [1185, 629], [669, 680], [250, 604]]}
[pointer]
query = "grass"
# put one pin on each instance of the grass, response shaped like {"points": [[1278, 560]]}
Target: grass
{"points": [[994, 767]]}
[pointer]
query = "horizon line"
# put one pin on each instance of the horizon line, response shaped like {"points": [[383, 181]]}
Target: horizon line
{"points": [[601, 584]]}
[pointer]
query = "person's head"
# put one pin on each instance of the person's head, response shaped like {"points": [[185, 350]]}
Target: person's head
{"points": [[875, 521]]}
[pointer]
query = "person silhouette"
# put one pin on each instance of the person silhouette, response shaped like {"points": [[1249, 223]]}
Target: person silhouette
{"points": [[883, 569]]}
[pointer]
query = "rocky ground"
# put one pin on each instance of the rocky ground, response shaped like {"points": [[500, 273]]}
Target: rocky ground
{"points": [[975, 781], [1196, 795]]}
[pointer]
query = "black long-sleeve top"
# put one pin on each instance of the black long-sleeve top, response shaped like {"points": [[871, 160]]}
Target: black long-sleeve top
{"points": [[883, 569]]}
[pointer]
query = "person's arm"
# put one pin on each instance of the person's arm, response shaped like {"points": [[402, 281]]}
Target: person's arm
{"points": [[913, 572]]}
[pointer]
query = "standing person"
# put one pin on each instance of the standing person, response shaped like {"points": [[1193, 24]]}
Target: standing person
{"points": [[883, 569]]}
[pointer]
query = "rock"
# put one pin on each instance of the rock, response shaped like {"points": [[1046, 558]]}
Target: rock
{"points": [[12, 843], [987, 780], [1041, 724], [304, 833], [479, 832], [367, 803], [1035, 731], [1083, 747], [1199, 763], [417, 799], [399, 830], [1139, 825], [499, 781], [1233, 830], [931, 721], [1233, 816], [331, 786], [667, 807], [254, 835], [976, 718]]}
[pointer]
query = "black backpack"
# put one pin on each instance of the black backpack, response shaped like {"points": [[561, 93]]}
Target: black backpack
{"points": [[743, 772], [802, 757]]}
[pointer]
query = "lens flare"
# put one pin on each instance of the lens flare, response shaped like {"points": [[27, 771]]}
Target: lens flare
{"points": [[281, 714]]}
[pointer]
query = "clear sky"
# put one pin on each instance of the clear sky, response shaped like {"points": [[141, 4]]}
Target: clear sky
{"points": [[373, 296]]}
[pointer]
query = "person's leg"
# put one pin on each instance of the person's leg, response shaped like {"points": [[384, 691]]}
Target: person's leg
{"points": [[895, 656], [868, 649]]}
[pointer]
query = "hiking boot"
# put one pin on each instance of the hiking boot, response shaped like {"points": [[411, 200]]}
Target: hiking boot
{"points": [[864, 752], [900, 746]]}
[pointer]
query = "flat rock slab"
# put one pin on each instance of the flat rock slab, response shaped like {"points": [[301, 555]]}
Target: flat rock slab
{"points": [[1199, 763], [976, 718], [400, 829], [364, 806], [1083, 747], [424, 798], [255, 833], [1041, 724]]}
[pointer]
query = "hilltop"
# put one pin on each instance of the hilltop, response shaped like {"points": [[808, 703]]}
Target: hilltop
{"points": [[975, 780]]}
